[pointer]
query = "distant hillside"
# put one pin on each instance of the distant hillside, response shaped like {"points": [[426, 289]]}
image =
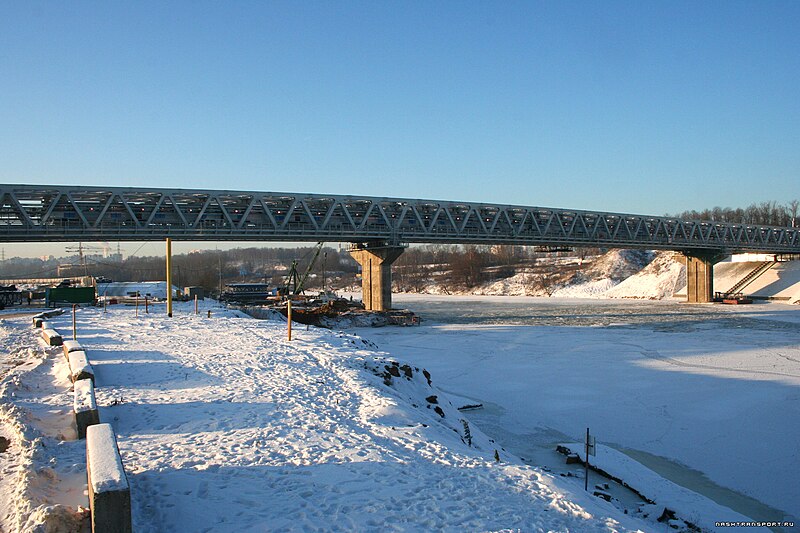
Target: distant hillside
{"points": [[614, 274], [553, 275]]}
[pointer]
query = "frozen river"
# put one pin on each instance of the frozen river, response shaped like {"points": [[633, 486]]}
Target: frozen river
{"points": [[708, 396], [531, 311]]}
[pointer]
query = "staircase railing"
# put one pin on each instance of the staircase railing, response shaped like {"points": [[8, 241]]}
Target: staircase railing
{"points": [[749, 278]]}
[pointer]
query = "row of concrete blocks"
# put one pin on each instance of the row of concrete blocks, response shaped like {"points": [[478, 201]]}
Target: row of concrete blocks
{"points": [[49, 334], [82, 376], [109, 491]]}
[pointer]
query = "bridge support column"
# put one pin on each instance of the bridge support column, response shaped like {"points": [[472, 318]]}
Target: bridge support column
{"points": [[700, 275], [376, 273]]}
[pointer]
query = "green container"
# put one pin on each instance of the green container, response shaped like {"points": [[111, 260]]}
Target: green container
{"points": [[70, 295]]}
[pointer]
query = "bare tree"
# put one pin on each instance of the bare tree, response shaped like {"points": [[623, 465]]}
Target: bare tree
{"points": [[545, 283], [793, 206]]}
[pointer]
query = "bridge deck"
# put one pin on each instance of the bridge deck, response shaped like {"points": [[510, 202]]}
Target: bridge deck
{"points": [[31, 213]]}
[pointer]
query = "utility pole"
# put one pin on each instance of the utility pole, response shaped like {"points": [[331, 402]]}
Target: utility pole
{"points": [[586, 465], [324, 264], [169, 277], [219, 270]]}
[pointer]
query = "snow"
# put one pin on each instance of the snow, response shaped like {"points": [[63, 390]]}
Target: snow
{"points": [[79, 365], [602, 274], [712, 389], [72, 346], [37, 494], [647, 275], [51, 336], [781, 281], [84, 396], [108, 475], [223, 424], [589, 289], [233, 428], [657, 281], [654, 487]]}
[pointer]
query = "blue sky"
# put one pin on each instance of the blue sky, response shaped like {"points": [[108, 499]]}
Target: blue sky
{"points": [[644, 107]]}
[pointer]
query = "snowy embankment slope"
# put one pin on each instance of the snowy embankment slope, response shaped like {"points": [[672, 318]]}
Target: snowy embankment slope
{"points": [[657, 281], [223, 425], [712, 388], [628, 274]]}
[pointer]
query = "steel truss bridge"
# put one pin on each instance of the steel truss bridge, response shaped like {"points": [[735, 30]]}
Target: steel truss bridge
{"points": [[31, 213]]}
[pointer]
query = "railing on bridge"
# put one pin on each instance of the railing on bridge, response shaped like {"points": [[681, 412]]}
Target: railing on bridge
{"points": [[61, 213]]}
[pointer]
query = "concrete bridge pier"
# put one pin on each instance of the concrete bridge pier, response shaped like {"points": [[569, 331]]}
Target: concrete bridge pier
{"points": [[376, 272], [700, 275]]}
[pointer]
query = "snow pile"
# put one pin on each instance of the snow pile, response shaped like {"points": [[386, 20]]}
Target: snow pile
{"points": [[224, 425], [658, 280], [588, 289], [31, 497], [601, 274], [520, 284], [55, 519], [604, 273], [619, 264]]}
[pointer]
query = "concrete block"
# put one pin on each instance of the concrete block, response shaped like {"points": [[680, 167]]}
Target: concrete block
{"points": [[79, 366], [71, 346], [41, 317], [52, 337], [85, 406], [109, 492]]}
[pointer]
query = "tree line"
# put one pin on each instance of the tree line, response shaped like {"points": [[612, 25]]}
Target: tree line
{"points": [[767, 213]]}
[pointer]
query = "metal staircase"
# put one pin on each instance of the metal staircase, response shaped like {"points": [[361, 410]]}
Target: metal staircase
{"points": [[749, 278]]}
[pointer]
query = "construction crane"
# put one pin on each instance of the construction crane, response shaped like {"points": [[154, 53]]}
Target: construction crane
{"points": [[296, 283], [80, 249]]}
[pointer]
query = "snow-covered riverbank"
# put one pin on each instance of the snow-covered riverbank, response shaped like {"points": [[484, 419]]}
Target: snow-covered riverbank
{"points": [[225, 426], [713, 388]]}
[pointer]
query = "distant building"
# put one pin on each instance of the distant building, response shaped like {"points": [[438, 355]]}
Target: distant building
{"points": [[191, 292], [151, 289]]}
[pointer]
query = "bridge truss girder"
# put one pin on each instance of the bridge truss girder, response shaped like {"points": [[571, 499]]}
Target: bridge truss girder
{"points": [[31, 213]]}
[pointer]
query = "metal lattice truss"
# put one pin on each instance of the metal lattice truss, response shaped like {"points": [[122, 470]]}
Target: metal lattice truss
{"points": [[30, 213]]}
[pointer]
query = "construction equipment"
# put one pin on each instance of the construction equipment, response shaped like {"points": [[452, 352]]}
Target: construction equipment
{"points": [[82, 249], [10, 296], [294, 282]]}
